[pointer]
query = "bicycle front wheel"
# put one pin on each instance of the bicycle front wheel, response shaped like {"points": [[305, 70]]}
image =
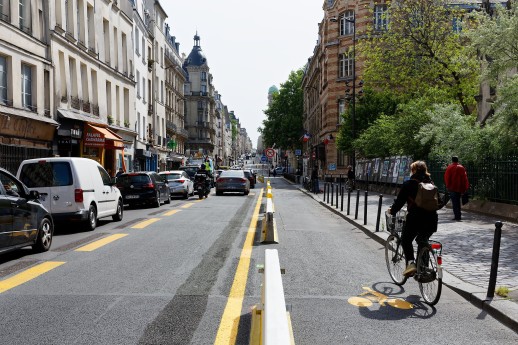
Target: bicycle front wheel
{"points": [[395, 259], [428, 277]]}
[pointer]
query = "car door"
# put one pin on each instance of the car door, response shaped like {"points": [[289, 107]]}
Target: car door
{"points": [[25, 219], [190, 183], [6, 219], [109, 194]]}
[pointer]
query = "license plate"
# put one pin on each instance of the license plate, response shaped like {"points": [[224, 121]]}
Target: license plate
{"points": [[131, 196]]}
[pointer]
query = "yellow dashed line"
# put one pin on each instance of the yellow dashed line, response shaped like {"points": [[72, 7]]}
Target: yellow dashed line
{"points": [[97, 244], [145, 223], [227, 332], [170, 213], [28, 274], [188, 205]]}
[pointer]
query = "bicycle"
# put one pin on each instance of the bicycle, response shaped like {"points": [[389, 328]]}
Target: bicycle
{"points": [[429, 260]]}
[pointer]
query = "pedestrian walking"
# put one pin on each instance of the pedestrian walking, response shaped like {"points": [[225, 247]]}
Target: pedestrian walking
{"points": [[456, 181], [314, 180], [350, 177], [120, 172]]}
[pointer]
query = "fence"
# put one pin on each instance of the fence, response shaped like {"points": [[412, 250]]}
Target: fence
{"points": [[493, 179]]}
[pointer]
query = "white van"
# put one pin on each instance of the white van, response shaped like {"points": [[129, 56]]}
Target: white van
{"points": [[73, 189]]}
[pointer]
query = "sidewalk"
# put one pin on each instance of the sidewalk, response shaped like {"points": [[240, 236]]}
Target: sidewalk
{"points": [[467, 250]]}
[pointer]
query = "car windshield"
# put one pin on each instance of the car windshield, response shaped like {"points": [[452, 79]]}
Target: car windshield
{"points": [[171, 177], [247, 173], [133, 179], [232, 173]]}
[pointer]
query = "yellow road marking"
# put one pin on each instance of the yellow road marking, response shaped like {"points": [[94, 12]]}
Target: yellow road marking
{"points": [[170, 213], [28, 274], [145, 223], [227, 331], [99, 243], [188, 205]]}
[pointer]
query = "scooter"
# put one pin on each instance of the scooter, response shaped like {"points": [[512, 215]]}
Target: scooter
{"points": [[202, 186]]}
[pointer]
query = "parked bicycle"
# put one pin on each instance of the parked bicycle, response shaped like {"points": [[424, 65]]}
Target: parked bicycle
{"points": [[429, 260]]}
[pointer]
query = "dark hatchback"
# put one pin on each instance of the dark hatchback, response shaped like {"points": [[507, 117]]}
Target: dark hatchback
{"points": [[23, 219], [143, 187]]}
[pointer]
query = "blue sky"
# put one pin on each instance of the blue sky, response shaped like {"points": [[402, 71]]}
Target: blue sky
{"points": [[249, 45]]}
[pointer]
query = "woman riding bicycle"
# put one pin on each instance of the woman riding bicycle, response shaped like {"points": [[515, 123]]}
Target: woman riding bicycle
{"points": [[420, 223]]}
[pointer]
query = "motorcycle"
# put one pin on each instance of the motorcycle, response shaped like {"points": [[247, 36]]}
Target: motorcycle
{"points": [[202, 185]]}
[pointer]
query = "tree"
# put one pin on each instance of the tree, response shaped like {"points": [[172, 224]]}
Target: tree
{"points": [[420, 52], [283, 123]]}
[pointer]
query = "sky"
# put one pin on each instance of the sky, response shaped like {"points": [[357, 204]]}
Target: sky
{"points": [[249, 46]]}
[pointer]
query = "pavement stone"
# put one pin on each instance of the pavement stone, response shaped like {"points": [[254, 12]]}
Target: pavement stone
{"points": [[467, 250]]}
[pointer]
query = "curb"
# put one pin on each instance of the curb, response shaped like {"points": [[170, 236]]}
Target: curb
{"points": [[503, 310]]}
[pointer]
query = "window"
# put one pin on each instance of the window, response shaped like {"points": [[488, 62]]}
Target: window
{"points": [[203, 76], [346, 64], [380, 17], [347, 23], [341, 110], [3, 80], [137, 50], [24, 8], [27, 86], [138, 84], [457, 25]]}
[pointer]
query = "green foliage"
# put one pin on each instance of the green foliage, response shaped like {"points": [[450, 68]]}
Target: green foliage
{"points": [[235, 132], [283, 123], [420, 53], [368, 109]]}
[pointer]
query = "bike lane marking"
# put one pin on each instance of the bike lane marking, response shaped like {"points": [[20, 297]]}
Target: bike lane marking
{"points": [[170, 213], [28, 275], [375, 296], [99, 243], [227, 331], [145, 223]]}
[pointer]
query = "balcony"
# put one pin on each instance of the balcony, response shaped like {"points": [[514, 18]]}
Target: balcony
{"points": [[75, 102], [203, 124]]}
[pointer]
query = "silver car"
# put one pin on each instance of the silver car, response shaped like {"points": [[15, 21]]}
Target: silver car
{"points": [[179, 183], [232, 181]]}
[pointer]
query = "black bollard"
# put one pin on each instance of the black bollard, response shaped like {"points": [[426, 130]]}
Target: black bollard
{"points": [[494, 260], [332, 193], [337, 192], [357, 204], [348, 201], [365, 209], [325, 188], [342, 203], [379, 213], [328, 186]]}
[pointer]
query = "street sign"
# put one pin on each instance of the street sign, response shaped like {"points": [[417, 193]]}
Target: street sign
{"points": [[264, 159], [298, 152], [269, 152]]}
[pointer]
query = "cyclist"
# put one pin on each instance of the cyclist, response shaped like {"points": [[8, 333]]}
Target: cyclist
{"points": [[420, 224]]}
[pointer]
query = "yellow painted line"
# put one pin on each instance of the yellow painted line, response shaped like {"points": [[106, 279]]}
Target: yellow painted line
{"points": [[145, 223], [188, 205], [227, 331], [28, 274], [170, 213], [99, 243]]}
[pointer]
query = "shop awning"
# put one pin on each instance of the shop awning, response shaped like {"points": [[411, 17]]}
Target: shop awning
{"points": [[95, 136], [69, 114]]}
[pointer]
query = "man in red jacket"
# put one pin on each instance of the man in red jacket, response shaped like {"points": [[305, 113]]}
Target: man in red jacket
{"points": [[456, 180]]}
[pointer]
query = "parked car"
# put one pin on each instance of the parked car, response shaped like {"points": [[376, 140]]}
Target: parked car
{"points": [[144, 187], [278, 170], [190, 170], [250, 176], [73, 189], [23, 219], [179, 183], [232, 181]]}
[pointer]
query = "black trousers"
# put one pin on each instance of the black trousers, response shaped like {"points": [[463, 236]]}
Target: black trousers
{"points": [[419, 226]]}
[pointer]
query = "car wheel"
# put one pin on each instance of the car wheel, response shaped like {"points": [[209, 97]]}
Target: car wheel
{"points": [[120, 209], [219, 192], [44, 240], [186, 195], [246, 192], [91, 223], [157, 200]]}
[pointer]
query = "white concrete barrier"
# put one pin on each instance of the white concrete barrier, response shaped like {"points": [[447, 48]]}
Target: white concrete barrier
{"points": [[276, 328]]}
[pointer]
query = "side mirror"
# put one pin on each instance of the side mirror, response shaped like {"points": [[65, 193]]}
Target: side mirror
{"points": [[34, 195]]}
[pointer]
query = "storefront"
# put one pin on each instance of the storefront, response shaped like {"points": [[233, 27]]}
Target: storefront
{"points": [[24, 135], [102, 145]]}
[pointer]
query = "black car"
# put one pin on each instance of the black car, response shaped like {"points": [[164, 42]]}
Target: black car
{"points": [[23, 219], [250, 176], [144, 187]]}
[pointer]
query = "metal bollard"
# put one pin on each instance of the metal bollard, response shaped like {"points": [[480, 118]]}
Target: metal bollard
{"points": [[357, 204], [336, 196], [348, 201], [328, 185], [379, 213], [332, 193], [342, 204], [365, 209], [325, 189], [494, 260]]}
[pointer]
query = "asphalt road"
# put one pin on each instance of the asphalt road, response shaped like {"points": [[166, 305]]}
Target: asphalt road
{"points": [[166, 276]]}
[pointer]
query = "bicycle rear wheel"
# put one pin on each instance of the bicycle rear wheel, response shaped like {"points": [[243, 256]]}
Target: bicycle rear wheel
{"points": [[395, 259], [428, 277]]}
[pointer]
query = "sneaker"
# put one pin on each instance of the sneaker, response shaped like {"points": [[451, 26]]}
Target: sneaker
{"points": [[410, 270]]}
